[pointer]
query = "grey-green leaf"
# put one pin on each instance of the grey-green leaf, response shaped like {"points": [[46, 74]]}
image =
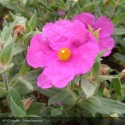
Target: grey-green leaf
{"points": [[117, 86], [55, 112], [119, 31], [58, 97], [35, 108], [12, 93], [88, 87], [16, 110], [102, 105]]}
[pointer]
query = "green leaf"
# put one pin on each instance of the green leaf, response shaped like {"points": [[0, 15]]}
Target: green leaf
{"points": [[19, 20], [16, 104], [119, 57], [16, 110], [33, 20], [6, 54], [6, 33], [117, 86], [88, 87], [17, 49], [9, 4], [119, 31], [102, 105], [102, 78], [13, 6], [55, 112], [90, 6], [49, 92], [3, 92], [35, 108], [32, 76], [4, 68], [69, 101], [22, 86], [96, 68], [46, 111], [24, 68], [28, 36], [102, 53], [58, 97], [16, 97]]}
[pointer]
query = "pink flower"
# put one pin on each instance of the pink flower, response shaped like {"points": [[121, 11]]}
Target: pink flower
{"points": [[59, 103], [106, 30], [65, 49]]}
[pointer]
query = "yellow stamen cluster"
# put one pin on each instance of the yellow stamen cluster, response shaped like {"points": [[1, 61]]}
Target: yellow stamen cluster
{"points": [[64, 54]]}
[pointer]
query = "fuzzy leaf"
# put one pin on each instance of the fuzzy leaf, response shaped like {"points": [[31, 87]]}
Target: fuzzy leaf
{"points": [[55, 112], [102, 105], [88, 87], [33, 21], [16, 110], [16, 104], [3, 92], [119, 57], [6, 54], [24, 68], [58, 97], [119, 31], [117, 86], [35, 108], [22, 86], [96, 68]]}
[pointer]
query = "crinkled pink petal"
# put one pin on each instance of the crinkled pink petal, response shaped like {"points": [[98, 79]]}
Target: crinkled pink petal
{"points": [[78, 33], [59, 73], [39, 53], [106, 27], [71, 33], [85, 18], [106, 43], [83, 58], [57, 33], [52, 30], [43, 82]]}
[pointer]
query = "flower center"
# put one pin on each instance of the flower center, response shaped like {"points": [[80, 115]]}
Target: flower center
{"points": [[64, 54]]}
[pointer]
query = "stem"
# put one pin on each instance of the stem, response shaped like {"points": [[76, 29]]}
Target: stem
{"points": [[5, 80]]}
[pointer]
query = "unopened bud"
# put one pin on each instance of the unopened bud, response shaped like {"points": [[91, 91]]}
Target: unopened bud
{"points": [[104, 69], [27, 103], [18, 30], [122, 74]]}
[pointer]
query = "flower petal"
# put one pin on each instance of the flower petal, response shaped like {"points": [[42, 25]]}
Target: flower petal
{"points": [[85, 18], [59, 74], [83, 58], [106, 43], [43, 82], [78, 33], [57, 33], [64, 33], [106, 27], [38, 52]]}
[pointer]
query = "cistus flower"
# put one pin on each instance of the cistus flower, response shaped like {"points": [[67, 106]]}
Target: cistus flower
{"points": [[65, 49], [105, 27]]}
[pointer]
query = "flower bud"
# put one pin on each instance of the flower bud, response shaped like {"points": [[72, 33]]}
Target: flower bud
{"points": [[104, 69], [18, 30]]}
